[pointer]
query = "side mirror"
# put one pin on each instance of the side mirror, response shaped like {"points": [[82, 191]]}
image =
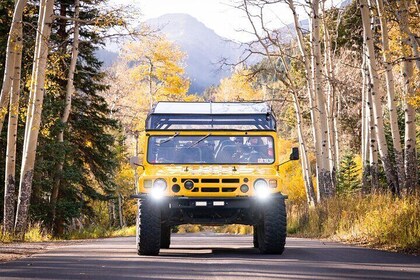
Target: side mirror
{"points": [[295, 154], [135, 162]]}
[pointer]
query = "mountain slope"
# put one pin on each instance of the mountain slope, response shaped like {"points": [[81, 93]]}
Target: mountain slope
{"points": [[205, 49]]}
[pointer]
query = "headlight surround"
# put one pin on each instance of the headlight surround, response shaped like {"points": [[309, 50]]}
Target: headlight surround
{"points": [[260, 184], [158, 189], [261, 188], [159, 184]]}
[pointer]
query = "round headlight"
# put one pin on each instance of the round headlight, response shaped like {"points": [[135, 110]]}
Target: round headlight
{"points": [[189, 185], [159, 184], [260, 184]]}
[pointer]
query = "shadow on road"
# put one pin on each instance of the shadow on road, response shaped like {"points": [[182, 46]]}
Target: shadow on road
{"points": [[215, 257]]}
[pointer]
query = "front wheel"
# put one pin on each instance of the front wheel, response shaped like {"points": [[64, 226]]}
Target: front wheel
{"points": [[255, 237], [165, 236], [272, 230], [148, 228]]}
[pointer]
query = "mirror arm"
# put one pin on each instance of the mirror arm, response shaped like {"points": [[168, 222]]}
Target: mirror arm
{"points": [[283, 163], [137, 164]]}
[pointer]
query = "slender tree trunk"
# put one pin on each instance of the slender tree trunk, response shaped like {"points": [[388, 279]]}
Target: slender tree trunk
{"points": [[306, 168], [390, 89], [31, 100], [28, 159], [70, 89], [324, 173], [411, 169], [392, 180], [120, 211], [331, 100], [9, 68], [373, 149], [288, 82], [150, 80], [10, 182], [113, 214], [365, 129], [312, 103]]}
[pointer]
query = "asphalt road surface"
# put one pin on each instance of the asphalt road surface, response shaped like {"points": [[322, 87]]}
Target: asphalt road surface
{"points": [[212, 256]]}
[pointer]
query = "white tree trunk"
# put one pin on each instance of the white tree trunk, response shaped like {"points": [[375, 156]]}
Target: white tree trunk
{"points": [[390, 174], [331, 111], [10, 179], [306, 57], [411, 169], [28, 159], [120, 211], [324, 173], [365, 128], [31, 99], [373, 150], [9, 68], [306, 168], [390, 89]]}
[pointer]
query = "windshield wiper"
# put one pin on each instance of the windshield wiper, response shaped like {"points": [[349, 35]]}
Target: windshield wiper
{"points": [[198, 141], [169, 139]]}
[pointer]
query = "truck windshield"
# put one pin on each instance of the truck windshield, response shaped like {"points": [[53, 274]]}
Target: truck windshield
{"points": [[211, 149]]}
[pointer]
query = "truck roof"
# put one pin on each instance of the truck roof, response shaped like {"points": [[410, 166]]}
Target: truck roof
{"points": [[211, 116], [208, 108]]}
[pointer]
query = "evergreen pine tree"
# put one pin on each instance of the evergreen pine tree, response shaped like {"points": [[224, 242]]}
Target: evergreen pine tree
{"points": [[348, 177]]}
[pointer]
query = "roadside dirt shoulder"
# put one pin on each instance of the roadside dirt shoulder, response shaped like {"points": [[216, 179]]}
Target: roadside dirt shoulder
{"points": [[17, 250]]}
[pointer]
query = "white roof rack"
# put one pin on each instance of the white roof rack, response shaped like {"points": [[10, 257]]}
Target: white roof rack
{"points": [[207, 108]]}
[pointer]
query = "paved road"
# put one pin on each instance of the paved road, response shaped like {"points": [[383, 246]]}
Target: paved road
{"points": [[211, 256]]}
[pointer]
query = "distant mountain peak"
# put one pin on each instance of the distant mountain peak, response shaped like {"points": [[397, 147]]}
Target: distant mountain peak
{"points": [[203, 46]]}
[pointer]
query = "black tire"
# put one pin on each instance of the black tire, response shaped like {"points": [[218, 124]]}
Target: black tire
{"points": [[273, 228], [148, 228], [255, 239], [165, 236]]}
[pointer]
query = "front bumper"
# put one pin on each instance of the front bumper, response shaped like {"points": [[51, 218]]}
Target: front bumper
{"points": [[211, 211], [182, 202]]}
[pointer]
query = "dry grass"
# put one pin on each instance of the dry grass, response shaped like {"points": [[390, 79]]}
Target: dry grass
{"points": [[37, 234], [376, 220]]}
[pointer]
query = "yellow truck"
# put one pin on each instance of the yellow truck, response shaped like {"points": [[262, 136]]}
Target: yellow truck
{"points": [[211, 164]]}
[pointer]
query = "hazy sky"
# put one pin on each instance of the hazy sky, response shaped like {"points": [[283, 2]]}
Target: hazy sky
{"points": [[218, 15]]}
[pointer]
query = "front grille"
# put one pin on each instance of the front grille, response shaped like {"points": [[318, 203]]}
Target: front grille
{"points": [[213, 185], [195, 180], [230, 181], [210, 181], [210, 189]]}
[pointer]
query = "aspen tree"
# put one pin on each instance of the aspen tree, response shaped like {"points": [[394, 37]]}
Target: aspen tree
{"points": [[312, 103], [10, 182], [365, 128], [410, 153], [31, 99], [324, 173], [390, 89], [331, 96], [13, 43], [288, 82], [392, 181], [31, 139]]}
